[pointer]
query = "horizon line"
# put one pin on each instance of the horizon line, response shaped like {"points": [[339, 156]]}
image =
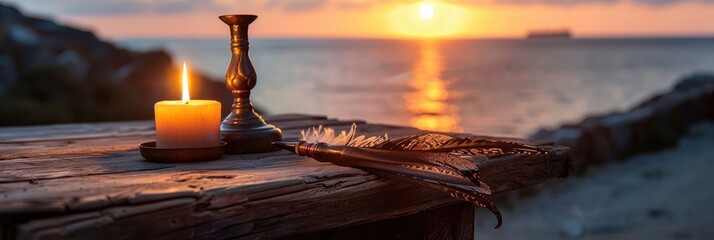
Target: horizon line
{"points": [[576, 37]]}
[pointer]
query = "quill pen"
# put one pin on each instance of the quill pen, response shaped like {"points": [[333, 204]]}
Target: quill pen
{"points": [[436, 161]]}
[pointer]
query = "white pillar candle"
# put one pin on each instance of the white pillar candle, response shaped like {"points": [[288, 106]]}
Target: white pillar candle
{"points": [[187, 123]]}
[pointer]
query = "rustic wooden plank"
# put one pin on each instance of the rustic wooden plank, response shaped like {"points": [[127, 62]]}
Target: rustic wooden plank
{"points": [[234, 170], [236, 197], [67, 147], [58, 131], [36, 169], [510, 173], [126, 138], [103, 156], [76, 131], [118, 195], [503, 175], [452, 222], [449, 222], [257, 210]]}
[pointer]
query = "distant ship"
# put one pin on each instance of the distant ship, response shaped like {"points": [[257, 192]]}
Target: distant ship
{"points": [[561, 33]]}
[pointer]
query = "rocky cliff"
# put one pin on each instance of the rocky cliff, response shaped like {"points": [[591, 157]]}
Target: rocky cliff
{"points": [[51, 73], [655, 124]]}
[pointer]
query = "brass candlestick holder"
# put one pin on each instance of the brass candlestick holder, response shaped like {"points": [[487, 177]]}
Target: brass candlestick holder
{"points": [[244, 130]]}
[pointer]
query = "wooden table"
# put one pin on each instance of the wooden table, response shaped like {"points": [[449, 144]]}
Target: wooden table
{"points": [[88, 181]]}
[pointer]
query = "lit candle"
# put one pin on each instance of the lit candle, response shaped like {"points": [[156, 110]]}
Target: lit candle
{"points": [[187, 123]]}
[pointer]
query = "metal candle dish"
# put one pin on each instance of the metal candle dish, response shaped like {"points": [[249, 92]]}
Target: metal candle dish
{"points": [[151, 153]]}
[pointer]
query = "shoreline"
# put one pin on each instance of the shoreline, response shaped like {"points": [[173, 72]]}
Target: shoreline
{"points": [[638, 174], [656, 195], [655, 124]]}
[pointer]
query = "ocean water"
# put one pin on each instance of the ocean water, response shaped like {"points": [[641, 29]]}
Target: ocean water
{"points": [[494, 87]]}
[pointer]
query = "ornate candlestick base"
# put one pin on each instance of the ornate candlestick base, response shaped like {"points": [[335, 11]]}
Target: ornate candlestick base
{"points": [[244, 139], [243, 129]]}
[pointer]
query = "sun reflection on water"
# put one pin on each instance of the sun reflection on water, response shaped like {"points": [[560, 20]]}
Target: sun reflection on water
{"points": [[428, 102]]}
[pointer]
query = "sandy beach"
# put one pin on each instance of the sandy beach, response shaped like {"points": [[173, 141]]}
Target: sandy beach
{"points": [[659, 195]]}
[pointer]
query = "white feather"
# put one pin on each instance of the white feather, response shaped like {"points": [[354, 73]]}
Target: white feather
{"points": [[327, 135]]}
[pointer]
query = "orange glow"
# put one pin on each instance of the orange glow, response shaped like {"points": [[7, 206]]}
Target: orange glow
{"points": [[428, 103], [402, 19], [185, 123], [184, 86], [426, 11], [430, 19]]}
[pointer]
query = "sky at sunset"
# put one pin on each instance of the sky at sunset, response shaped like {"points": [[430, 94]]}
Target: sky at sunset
{"points": [[381, 18]]}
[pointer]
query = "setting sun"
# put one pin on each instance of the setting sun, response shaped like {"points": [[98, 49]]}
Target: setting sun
{"points": [[430, 19], [426, 11]]}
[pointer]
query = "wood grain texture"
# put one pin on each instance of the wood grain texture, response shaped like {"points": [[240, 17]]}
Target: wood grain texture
{"points": [[449, 222], [56, 140], [88, 180]]}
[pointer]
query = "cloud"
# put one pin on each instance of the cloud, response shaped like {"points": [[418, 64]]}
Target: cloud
{"points": [[82, 7], [303, 5], [113, 7], [176, 6], [120, 7], [669, 2], [294, 5], [554, 2], [577, 2], [356, 4]]}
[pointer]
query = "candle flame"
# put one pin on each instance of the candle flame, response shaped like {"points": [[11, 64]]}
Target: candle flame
{"points": [[184, 97]]}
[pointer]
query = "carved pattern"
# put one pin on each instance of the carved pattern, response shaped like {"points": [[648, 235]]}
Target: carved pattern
{"points": [[437, 161]]}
